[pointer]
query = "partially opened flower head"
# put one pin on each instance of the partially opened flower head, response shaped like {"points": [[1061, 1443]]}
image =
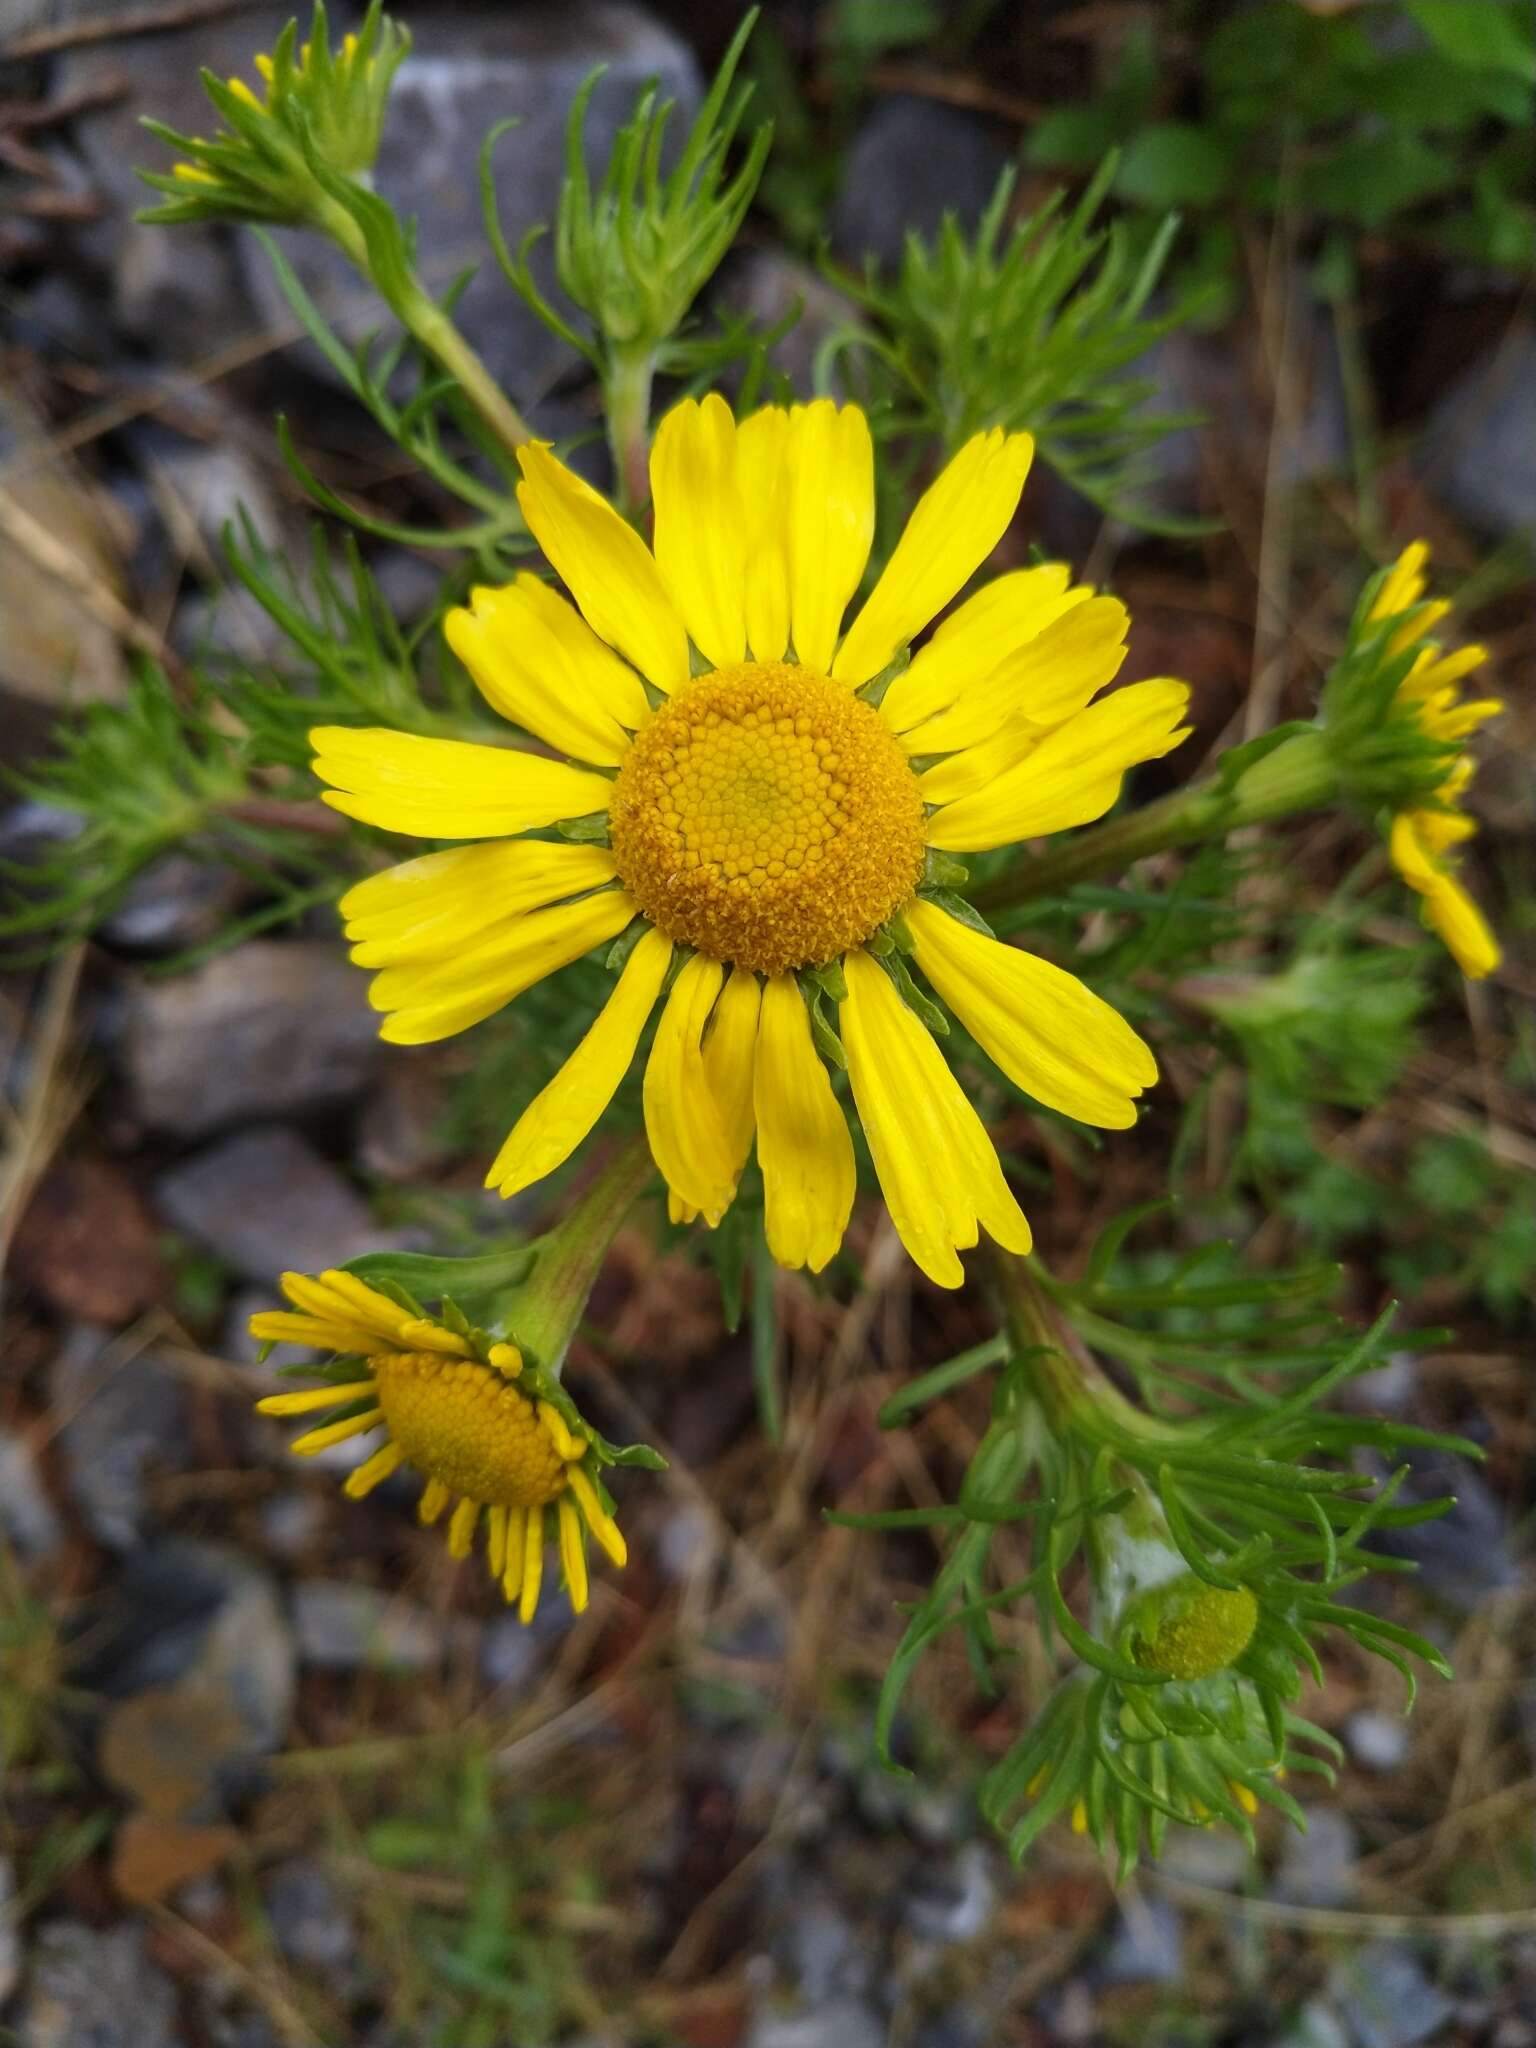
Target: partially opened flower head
{"points": [[496, 1440], [1424, 837], [768, 804]]}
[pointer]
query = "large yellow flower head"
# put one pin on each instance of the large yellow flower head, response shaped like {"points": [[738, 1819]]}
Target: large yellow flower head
{"points": [[1423, 838], [491, 1434], [766, 798]]}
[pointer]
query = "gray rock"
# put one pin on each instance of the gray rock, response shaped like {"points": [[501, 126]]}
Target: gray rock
{"points": [[766, 285], [266, 1202], [1477, 449], [1213, 1857], [175, 903], [10, 1933], [954, 1904], [845, 2023], [1146, 1945], [345, 1627], [27, 1517], [1318, 1868], [123, 1415], [309, 1919], [1465, 1555], [471, 67], [912, 161], [821, 1953], [274, 1028], [1385, 1998], [178, 288], [1316, 2025], [292, 1524], [198, 1616], [1377, 1742], [96, 1990]]}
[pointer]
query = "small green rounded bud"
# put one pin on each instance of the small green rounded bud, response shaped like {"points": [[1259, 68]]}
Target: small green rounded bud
{"points": [[1190, 1629]]}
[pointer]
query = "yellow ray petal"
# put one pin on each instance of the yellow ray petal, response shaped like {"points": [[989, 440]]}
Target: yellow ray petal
{"points": [[687, 1137], [803, 1145], [313, 1398], [435, 1496], [496, 1541], [605, 565], [1050, 1035], [447, 789], [1071, 777], [605, 1530], [433, 1000], [1046, 682], [444, 902], [729, 1051], [275, 1326], [537, 661], [321, 1439], [1449, 909], [762, 462], [566, 1108], [938, 1171], [1405, 582], [517, 1544], [955, 525], [830, 515], [573, 1553], [533, 1565], [1004, 615], [373, 1471], [461, 1528], [701, 534]]}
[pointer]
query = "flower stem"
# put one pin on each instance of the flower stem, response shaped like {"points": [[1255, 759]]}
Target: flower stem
{"points": [[628, 397], [1297, 775], [543, 1313], [416, 310]]}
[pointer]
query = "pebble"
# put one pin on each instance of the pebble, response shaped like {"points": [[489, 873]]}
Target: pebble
{"points": [[28, 1520], [1146, 1944], [1318, 1868], [1377, 1742], [122, 1415], [821, 1953], [843, 2023], [912, 161], [96, 1990], [1385, 1997], [1464, 1555], [273, 1028], [176, 902], [341, 1626], [310, 1921], [956, 1904], [264, 1201], [1478, 444]]}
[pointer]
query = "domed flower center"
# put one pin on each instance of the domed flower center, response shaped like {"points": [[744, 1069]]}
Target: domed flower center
{"points": [[464, 1424], [768, 817], [1189, 1629]]}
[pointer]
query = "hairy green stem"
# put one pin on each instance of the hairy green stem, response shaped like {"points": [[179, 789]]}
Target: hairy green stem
{"points": [[544, 1312], [416, 309], [1298, 775], [628, 396]]}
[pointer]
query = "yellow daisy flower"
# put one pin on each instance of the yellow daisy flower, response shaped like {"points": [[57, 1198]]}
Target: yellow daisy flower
{"points": [[1422, 838], [771, 787], [491, 1434]]}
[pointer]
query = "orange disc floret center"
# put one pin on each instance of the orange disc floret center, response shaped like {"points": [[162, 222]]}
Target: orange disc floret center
{"points": [[767, 817], [464, 1424]]}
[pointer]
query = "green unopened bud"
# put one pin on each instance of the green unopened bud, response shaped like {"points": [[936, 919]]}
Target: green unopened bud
{"points": [[636, 252], [1188, 1628], [316, 107]]}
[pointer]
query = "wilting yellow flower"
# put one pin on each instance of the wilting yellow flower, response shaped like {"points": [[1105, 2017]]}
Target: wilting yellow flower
{"points": [[762, 791], [1422, 838], [473, 1418]]}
